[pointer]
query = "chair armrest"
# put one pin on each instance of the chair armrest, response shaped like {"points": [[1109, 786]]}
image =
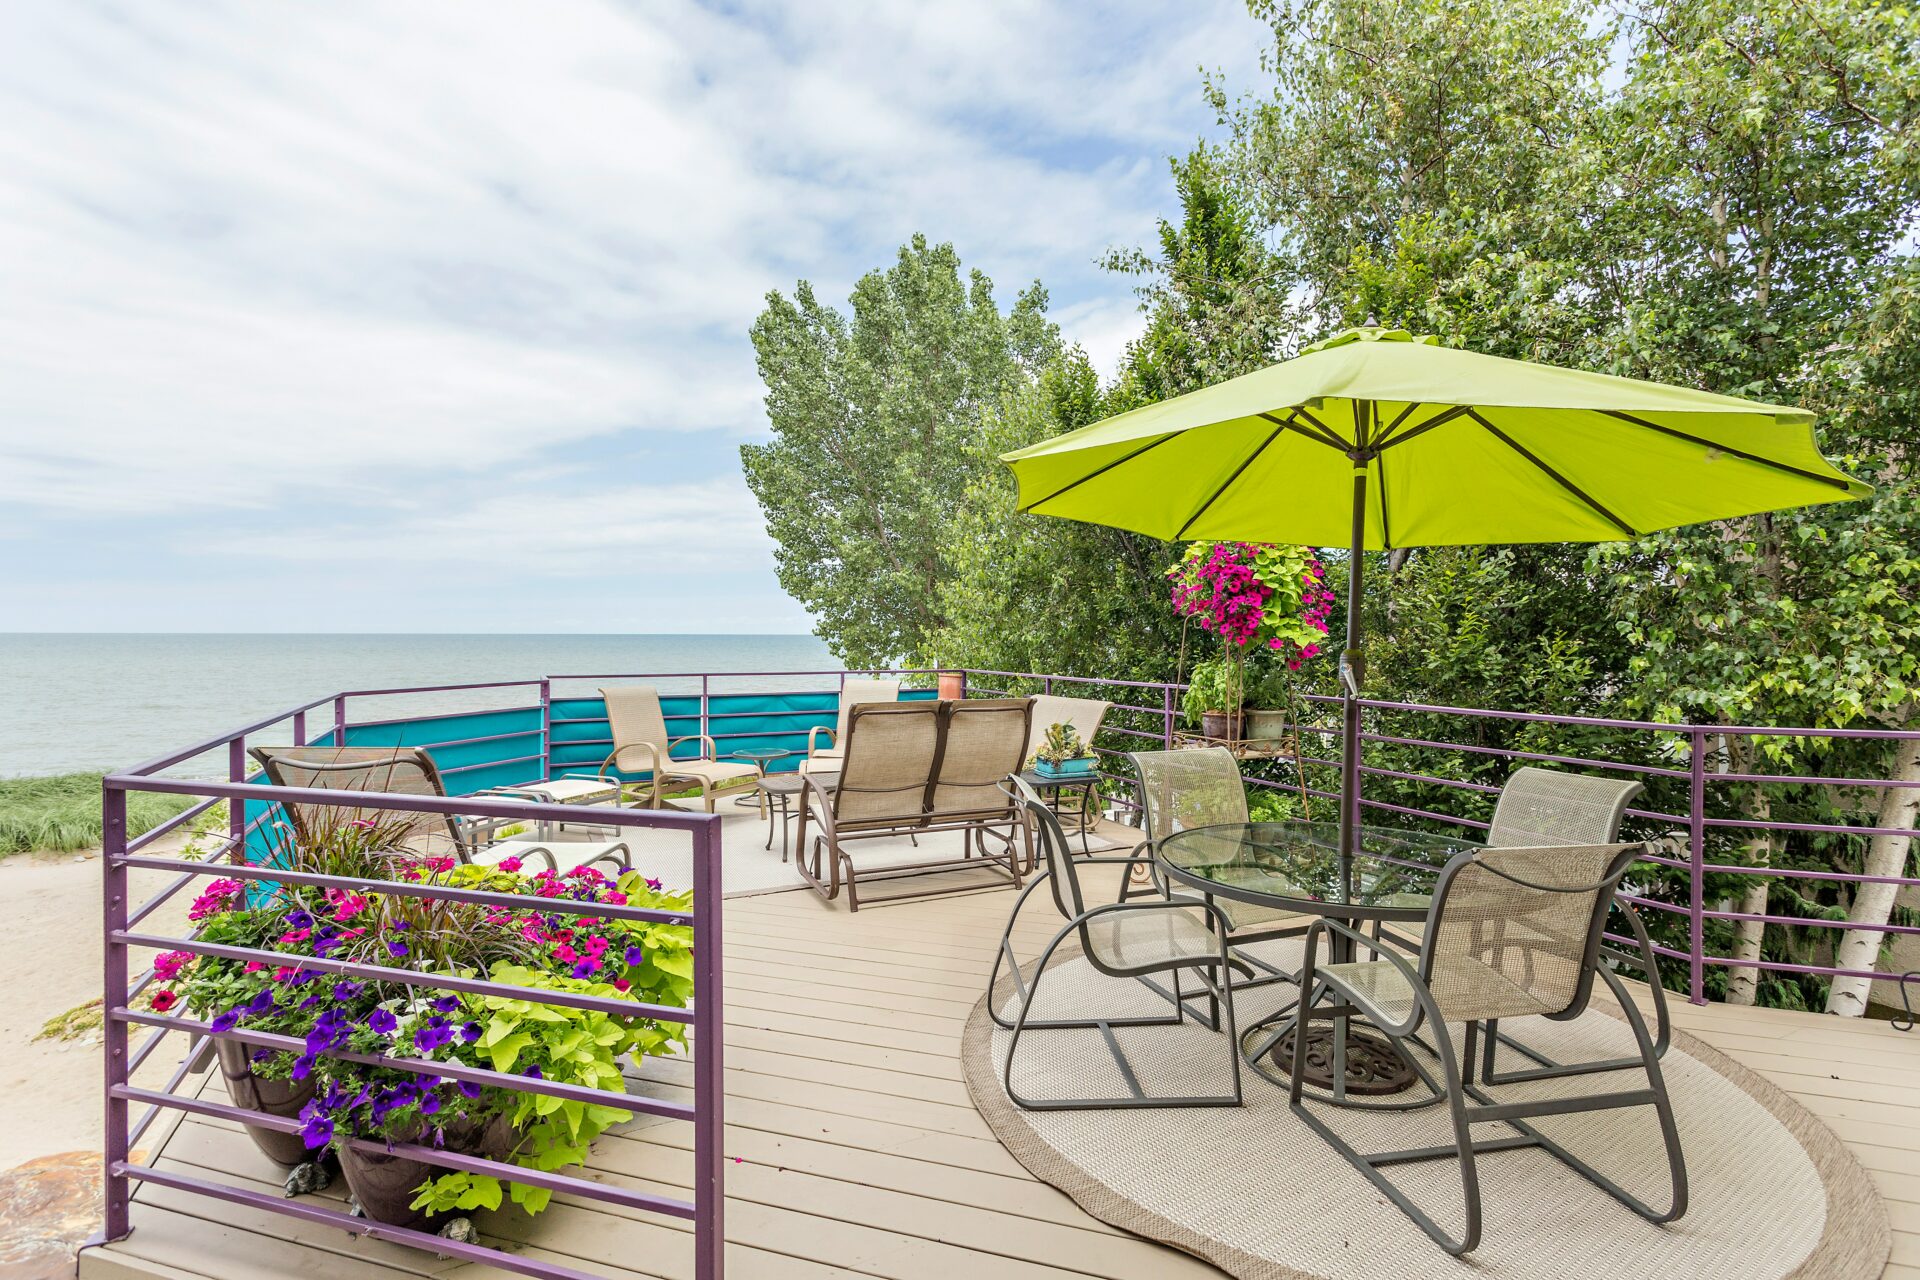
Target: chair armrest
{"points": [[1423, 1007], [708, 750], [1155, 904], [814, 733]]}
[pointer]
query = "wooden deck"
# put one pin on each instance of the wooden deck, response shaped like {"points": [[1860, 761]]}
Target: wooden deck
{"points": [[859, 1151]]}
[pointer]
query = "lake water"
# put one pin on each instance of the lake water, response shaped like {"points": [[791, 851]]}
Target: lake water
{"points": [[100, 702]]}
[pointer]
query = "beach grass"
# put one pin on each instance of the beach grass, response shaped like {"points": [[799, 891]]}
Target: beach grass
{"points": [[61, 813]]}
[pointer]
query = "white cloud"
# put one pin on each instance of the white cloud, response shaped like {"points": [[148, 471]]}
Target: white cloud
{"points": [[262, 255]]}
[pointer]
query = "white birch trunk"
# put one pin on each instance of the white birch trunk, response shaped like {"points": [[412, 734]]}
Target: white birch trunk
{"points": [[1873, 905]]}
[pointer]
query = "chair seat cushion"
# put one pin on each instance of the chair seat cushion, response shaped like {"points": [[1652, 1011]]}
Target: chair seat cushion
{"points": [[1150, 937], [573, 790], [711, 772], [1465, 990]]}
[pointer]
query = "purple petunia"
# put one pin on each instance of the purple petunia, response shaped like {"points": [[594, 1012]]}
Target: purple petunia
{"points": [[535, 1072], [398, 950], [468, 1089], [262, 1002], [470, 1032], [382, 1022], [226, 1021], [435, 1035], [344, 990], [317, 1132], [447, 1004], [635, 957]]}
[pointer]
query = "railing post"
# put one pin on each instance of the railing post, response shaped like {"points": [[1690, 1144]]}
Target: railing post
{"points": [[709, 1068], [299, 728], [705, 731], [546, 728], [114, 1031], [1696, 867], [236, 808], [1166, 712], [340, 721]]}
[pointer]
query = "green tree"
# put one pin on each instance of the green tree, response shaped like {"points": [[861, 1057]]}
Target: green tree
{"points": [[1094, 600], [876, 434]]}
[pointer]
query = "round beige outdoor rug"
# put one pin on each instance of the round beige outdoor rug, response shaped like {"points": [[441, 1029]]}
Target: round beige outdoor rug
{"points": [[1773, 1193]]}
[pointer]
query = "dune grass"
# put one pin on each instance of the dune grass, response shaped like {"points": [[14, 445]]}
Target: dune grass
{"points": [[62, 813]]}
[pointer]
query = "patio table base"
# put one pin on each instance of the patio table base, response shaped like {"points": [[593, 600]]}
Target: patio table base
{"points": [[1374, 1066]]}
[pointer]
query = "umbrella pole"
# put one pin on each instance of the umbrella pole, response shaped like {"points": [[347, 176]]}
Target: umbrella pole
{"points": [[1352, 673]]}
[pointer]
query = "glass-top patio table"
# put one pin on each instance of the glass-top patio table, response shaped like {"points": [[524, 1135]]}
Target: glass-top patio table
{"points": [[1296, 866]]}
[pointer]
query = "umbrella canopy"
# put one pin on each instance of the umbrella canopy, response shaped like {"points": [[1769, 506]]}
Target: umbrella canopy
{"points": [[1376, 439], [1457, 448]]}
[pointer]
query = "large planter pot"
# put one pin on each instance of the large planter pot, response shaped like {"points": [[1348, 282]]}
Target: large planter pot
{"points": [[274, 1097], [1219, 724], [1265, 726], [384, 1185]]}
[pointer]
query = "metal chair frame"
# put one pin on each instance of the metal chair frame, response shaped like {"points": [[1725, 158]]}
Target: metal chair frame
{"points": [[1458, 1070], [1061, 876]]}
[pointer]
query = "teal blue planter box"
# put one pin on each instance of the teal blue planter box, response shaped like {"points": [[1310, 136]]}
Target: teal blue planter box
{"points": [[1081, 768]]}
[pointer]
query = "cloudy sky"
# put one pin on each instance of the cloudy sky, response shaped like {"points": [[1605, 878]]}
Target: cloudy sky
{"points": [[432, 316]]}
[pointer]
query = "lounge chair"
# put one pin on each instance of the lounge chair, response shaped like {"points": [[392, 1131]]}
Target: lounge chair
{"points": [[409, 771], [826, 757], [1472, 971], [641, 745], [912, 768], [1135, 939]]}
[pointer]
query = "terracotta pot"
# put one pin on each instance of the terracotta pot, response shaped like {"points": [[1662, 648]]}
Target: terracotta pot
{"points": [[274, 1097], [953, 686], [1219, 724], [384, 1185]]}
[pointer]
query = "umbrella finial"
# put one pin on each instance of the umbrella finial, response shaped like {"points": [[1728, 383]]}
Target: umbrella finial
{"points": [[1370, 332]]}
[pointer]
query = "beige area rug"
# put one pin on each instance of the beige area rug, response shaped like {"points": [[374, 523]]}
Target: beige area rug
{"points": [[1251, 1189]]}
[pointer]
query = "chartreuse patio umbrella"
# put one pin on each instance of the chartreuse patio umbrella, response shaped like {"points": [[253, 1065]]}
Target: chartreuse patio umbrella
{"points": [[1377, 439]]}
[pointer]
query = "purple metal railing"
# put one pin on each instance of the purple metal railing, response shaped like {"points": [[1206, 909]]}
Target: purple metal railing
{"points": [[1692, 828], [1149, 715], [120, 855]]}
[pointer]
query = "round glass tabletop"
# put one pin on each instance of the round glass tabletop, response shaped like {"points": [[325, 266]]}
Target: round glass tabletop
{"points": [[759, 755], [1297, 865]]}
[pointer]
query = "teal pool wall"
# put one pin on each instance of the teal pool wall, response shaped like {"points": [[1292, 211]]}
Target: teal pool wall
{"points": [[476, 750]]}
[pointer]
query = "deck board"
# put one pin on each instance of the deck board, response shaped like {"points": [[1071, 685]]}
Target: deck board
{"points": [[860, 1152]]}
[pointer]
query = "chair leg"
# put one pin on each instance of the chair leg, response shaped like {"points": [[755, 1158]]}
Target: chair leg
{"points": [[1138, 1097], [1368, 1165]]}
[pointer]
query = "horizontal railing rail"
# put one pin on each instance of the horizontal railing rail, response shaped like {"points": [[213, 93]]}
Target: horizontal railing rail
{"points": [[227, 858]]}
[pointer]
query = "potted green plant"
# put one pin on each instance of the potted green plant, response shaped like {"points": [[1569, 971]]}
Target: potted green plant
{"points": [[1213, 698], [1062, 754]]}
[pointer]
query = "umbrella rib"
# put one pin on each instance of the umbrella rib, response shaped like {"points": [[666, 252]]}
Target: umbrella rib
{"points": [[1323, 436], [1440, 419], [1727, 449], [1555, 476], [1399, 418], [1228, 482], [1099, 471]]}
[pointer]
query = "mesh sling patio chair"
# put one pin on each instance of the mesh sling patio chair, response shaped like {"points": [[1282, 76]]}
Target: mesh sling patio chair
{"points": [[1472, 971], [405, 771], [1181, 790], [825, 757], [1540, 807], [641, 745], [1133, 939]]}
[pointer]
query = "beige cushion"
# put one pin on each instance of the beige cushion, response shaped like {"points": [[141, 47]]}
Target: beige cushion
{"points": [[712, 772]]}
